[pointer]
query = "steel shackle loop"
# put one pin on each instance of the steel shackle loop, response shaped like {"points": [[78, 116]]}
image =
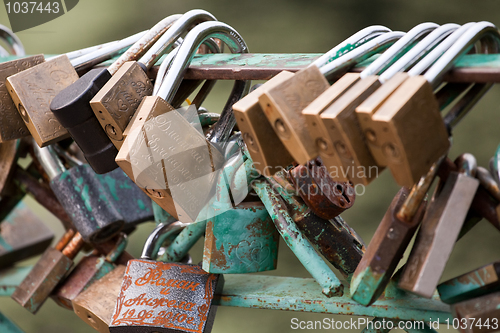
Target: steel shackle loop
{"points": [[184, 23], [49, 160], [399, 47], [16, 47], [362, 52], [359, 38], [158, 236], [459, 48], [187, 50], [144, 43]]}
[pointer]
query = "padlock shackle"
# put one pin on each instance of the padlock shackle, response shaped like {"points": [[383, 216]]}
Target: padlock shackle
{"points": [[158, 236], [3, 52], [441, 48], [144, 43], [467, 164], [105, 53], [49, 161], [78, 53], [15, 44], [400, 46], [495, 165], [488, 182], [359, 38], [361, 53], [418, 51], [187, 50], [184, 23], [478, 31]]}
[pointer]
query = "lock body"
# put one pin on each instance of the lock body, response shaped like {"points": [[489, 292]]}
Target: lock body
{"points": [[32, 91], [116, 103], [283, 105], [265, 147], [12, 125], [241, 240], [165, 297]]}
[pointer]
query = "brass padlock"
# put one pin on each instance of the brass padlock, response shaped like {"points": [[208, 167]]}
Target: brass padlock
{"points": [[116, 102], [32, 90], [412, 110], [153, 151], [478, 314], [157, 296]]}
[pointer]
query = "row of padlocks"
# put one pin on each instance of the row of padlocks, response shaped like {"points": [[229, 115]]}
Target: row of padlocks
{"points": [[114, 138]]}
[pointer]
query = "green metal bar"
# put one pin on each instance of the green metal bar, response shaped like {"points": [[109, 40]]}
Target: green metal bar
{"points": [[8, 326], [304, 295], [10, 278], [293, 237]]}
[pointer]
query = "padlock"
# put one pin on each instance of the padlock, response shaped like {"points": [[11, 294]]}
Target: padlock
{"points": [[48, 271], [478, 282], [478, 314], [331, 118], [326, 197], [8, 162], [392, 78], [83, 196], [409, 154], [390, 240], [116, 102], [72, 109], [33, 89], [148, 156], [439, 230], [333, 238], [267, 151], [90, 269], [165, 297], [22, 235]]}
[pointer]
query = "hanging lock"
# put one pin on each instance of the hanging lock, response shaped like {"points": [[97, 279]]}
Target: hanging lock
{"points": [[165, 297], [266, 149], [239, 238], [83, 196], [90, 269], [326, 198], [71, 105], [440, 228], [478, 314], [47, 272], [117, 101], [163, 153], [33, 89]]}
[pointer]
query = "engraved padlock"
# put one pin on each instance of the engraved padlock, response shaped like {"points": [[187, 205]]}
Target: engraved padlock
{"points": [[165, 297], [33, 89]]}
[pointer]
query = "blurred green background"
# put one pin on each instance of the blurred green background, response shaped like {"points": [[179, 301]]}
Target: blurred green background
{"points": [[276, 27]]}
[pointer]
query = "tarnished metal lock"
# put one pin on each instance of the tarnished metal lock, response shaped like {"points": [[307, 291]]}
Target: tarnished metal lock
{"points": [[325, 197], [268, 152], [155, 156], [83, 196], [22, 235], [479, 314], [71, 106], [48, 271], [440, 228], [33, 89], [473, 284], [8, 162], [165, 297], [390, 241], [241, 240], [90, 269], [96, 304], [116, 102], [410, 154]]}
